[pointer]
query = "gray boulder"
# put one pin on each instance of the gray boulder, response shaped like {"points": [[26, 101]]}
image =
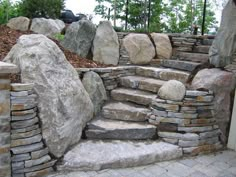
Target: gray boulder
{"points": [[172, 90], [19, 23], [223, 47], [79, 37], [64, 105], [106, 44], [139, 48], [47, 27], [94, 86], [221, 83]]}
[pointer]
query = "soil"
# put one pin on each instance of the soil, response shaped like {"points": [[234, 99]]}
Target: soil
{"points": [[8, 38]]}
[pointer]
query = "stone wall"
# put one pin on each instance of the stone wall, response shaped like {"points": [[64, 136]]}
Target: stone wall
{"points": [[180, 42], [5, 129], [190, 124], [29, 155], [110, 75]]}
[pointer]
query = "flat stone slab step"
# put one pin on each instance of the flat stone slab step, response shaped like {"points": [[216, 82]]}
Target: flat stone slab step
{"points": [[125, 111], [119, 130], [194, 57], [201, 49], [99, 155], [131, 95], [163, 73], [142, 83], [181, 65]]}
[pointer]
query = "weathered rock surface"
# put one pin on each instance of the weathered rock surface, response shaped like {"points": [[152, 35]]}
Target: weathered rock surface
{"points": [[139, 48], [223, 48], [94, 86], [221, 83], [106, 44], [19, 23], [163, 45], [125, 111], [117, 154], [47, 27], [172, 90], [119, 130], [64, 105], [79, 37]]}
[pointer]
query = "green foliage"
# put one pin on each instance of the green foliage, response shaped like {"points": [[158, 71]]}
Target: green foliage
{"points": [[174, 16], [59, 37], [41, 8], [8, 10]]}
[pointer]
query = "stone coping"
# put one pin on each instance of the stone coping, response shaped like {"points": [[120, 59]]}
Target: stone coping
{"points": [[7, 68]]}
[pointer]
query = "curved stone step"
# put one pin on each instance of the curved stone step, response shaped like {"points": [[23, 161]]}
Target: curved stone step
{"points": [[99, 155], [163, 73], [125, 111], [135, 96], [181, 65], [194, 57], [119, 130], [201, 49], [142, 83]]}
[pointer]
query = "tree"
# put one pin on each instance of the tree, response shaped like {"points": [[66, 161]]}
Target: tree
{"points": [[41, 8], [8, 10]]}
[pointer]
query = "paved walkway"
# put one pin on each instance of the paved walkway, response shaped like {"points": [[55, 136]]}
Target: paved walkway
{"points": [[221, 164]]}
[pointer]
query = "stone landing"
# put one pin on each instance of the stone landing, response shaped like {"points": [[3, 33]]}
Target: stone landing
{"points": [[98, 155]]}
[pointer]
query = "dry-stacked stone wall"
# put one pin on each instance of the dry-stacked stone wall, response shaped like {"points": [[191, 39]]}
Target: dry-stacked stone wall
{"points": [[189, 123], [29, 155], [5, 139], [110, 75], [181, 43]]}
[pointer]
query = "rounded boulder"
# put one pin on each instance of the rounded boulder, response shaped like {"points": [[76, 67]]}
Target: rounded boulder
{"points": [[172, 90]]}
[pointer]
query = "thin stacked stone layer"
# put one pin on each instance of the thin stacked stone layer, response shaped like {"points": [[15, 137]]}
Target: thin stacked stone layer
{"points": [[5, 130], [189, 123], [30, 157]]}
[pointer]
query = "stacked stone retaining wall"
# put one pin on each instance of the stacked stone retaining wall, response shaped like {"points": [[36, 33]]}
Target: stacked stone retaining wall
{"points": [[29, 155], [189, 123], [180, 43]]}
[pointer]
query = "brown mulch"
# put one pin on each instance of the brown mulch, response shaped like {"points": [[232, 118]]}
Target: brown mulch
{"points": [[8, 39]]}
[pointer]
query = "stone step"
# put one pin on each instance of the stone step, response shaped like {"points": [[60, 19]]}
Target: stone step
{"points": [[131, 95], [98, 155], [181, 65], [201, 49], [125, 111], [163, 73], [194, 57], [119, 130], [141, 83]]}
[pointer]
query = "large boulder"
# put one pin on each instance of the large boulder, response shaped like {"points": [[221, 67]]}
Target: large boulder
{"points": [[172, 90], [19, 23], [79, 37], [106, 44], [221, 83], [64, 105], [223, 47], [163, 45], [139, 48], [47, 27], [94, 86]]}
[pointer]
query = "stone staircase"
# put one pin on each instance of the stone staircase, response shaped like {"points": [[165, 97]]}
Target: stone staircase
{"points": [[121, 136], [124, 117]]}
